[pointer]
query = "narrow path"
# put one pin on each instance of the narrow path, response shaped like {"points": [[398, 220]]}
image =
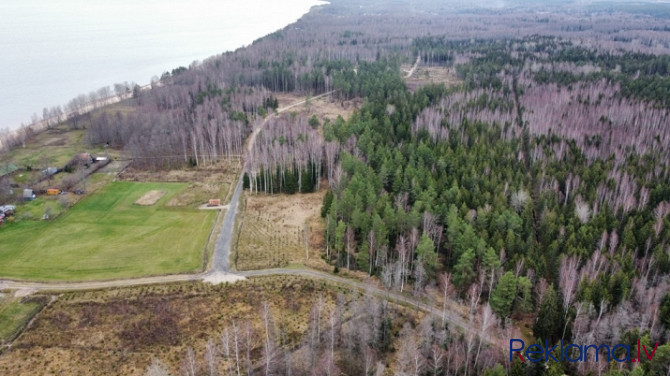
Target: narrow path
{"points": [[279, 111], [95, 285], [416, 64]]}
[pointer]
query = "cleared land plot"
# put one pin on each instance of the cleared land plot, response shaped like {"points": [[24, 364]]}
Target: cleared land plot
{"points": [[431, 75], [204, 183], [273, 230], [324, 108], [150, 198], [105, 236]]}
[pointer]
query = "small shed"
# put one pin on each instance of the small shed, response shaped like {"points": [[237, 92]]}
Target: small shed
{"points": [[28, 195], [214, 202], [85, 158]]}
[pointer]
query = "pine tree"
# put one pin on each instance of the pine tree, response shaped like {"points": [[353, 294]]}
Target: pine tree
{"points": [[426, 252], [503, 295], [464, 270], [549, 322], [524, 299]]}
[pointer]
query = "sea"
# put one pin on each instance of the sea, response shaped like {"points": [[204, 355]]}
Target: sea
{"points": [[53, 51]]}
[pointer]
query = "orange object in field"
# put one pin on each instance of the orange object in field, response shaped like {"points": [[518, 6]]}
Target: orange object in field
{"points": [[214, 202], [53, 191]]}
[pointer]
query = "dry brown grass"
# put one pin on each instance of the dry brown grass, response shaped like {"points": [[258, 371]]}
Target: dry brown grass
{"points": [[331, 108], [150, 198], [119, 332], [324, 108], [431, 75], [273, 230]]}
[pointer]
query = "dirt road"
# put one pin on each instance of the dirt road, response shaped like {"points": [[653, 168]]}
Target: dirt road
{"points": [[416, 64], [452, 318]]}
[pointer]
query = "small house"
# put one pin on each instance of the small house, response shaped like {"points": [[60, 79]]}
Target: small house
{"points": [[214, 202], [28, 195], [7, 210], [85, 158]]}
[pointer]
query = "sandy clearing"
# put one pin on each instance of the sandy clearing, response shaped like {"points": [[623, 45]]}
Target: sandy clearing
{"points": [[20, 293], [217, 277], [150, 198]]}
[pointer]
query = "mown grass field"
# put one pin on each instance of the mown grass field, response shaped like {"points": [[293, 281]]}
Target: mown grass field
{"points": [[107, 236]]}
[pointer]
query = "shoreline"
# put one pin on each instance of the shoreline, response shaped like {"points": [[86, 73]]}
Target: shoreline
{"points": [[12, 131], [43, 124]]}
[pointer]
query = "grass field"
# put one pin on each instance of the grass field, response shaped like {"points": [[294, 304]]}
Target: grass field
{"points": [[54, 147], [204, 182], [14, 315], [106, 236]]}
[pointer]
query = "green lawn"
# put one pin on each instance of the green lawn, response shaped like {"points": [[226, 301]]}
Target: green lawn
{"points": [[14, 315], [49, 148], [107, 236]]}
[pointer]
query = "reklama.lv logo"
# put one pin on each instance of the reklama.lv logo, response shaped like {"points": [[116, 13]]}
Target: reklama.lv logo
{"points": [[577, 353]]}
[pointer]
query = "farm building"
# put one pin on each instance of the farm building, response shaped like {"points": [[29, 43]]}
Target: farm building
{"points": [[28, 195], [82, 159], [7, 210], [85, 158]]}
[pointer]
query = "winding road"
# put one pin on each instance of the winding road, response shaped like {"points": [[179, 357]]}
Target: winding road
{"points": [[220, 270]]}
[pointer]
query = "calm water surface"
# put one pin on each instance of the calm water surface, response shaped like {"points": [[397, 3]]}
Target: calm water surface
{"points": [[52, 51]]}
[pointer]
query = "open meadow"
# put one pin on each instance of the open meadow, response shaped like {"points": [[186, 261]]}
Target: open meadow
{"points": [[106, 236]]}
